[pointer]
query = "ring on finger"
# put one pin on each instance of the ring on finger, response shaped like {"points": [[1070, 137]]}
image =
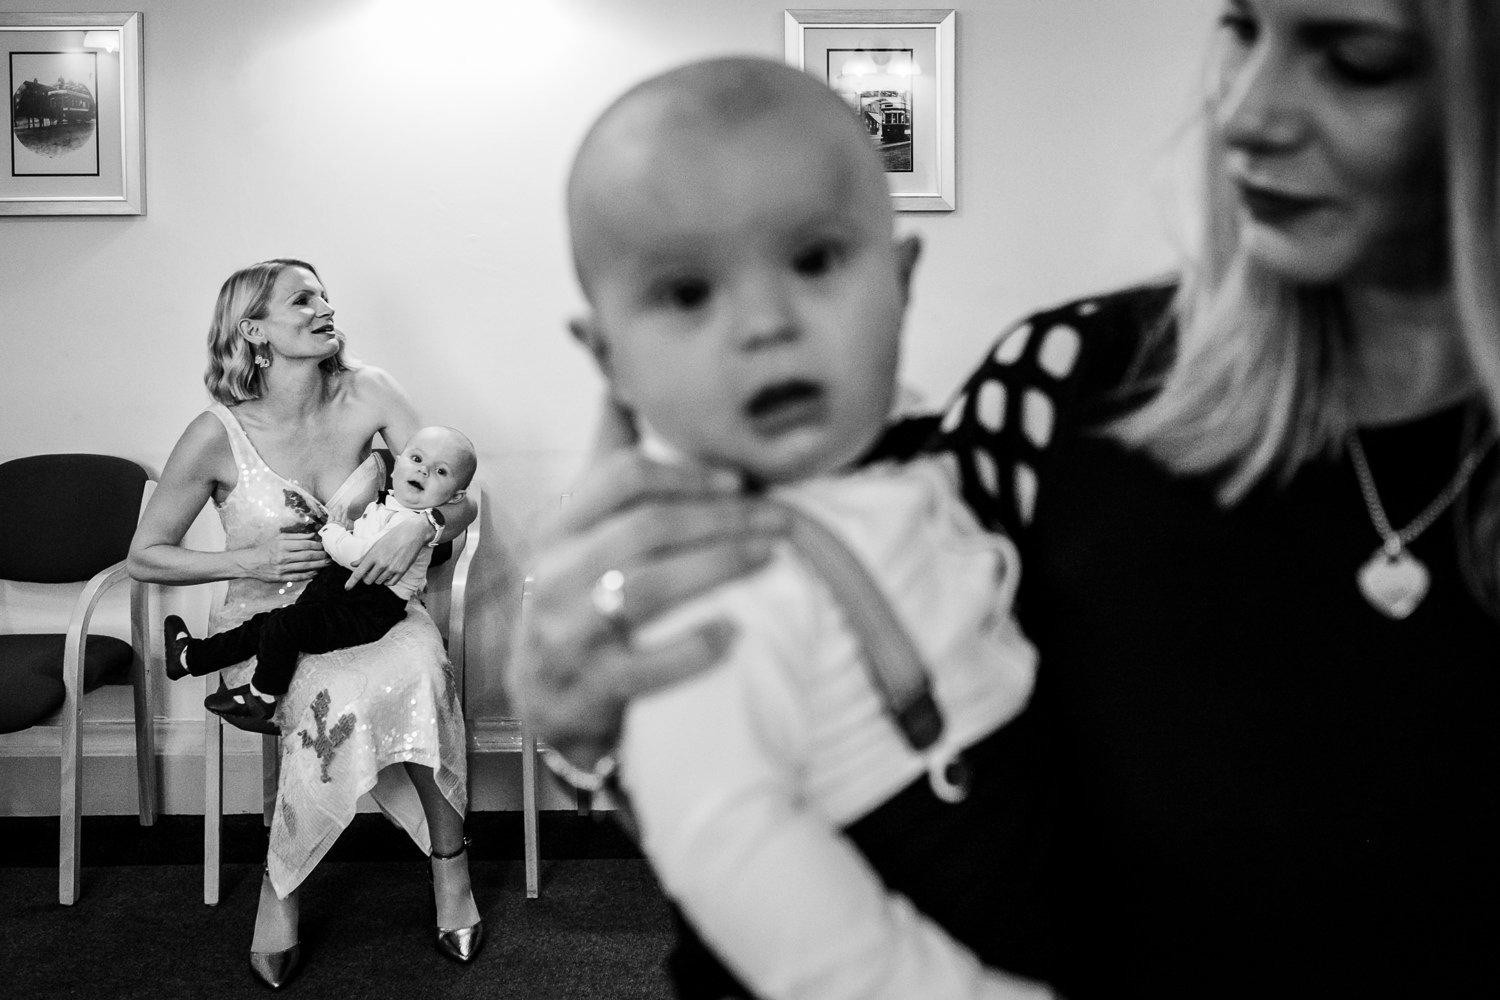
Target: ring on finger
{"points": [[608, 598]]}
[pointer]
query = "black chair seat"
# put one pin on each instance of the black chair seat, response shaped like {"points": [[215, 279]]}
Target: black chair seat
{"points": [[33, 671]]}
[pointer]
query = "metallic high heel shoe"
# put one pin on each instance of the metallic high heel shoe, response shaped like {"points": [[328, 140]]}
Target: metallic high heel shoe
{"points": [[276, 968], [458, 943], [461, 943]]}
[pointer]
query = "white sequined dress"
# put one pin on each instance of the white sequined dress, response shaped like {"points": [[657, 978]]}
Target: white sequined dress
{"points": [[352, 713]]}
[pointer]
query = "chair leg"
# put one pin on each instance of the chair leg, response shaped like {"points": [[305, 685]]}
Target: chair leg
{"points": [[270, 774], [147, 784], [70, 808], [142, 680], [69, 820], [529, 814], [213, 804]]}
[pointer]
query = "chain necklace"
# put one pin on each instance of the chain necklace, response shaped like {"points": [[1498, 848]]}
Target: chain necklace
{"points": [[1393, 580]]}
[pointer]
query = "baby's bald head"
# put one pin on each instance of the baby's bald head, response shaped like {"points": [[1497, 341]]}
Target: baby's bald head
{"points": [[644, 146]]}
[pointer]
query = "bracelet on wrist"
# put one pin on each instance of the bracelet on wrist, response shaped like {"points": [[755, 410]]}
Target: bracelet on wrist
{"points": [[592, 780], [434, 518]]}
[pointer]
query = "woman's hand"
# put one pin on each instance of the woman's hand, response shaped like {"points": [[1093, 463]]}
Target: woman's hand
{"points": [[391, 555], [673, 533], [201, 462], [288, 558]]}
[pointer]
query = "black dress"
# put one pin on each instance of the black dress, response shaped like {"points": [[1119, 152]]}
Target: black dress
{"points": [[1266, 786]]}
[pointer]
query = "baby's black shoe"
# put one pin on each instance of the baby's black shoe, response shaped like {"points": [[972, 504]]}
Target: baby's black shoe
{"points": [[241, 707], [175, 641]]}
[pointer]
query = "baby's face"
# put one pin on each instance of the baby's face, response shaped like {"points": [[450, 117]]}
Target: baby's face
{"points": [[748, 297], [431, 469]]}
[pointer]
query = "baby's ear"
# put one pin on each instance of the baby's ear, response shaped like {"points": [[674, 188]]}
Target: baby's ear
{"points": [[457, 496], [585, 330]]}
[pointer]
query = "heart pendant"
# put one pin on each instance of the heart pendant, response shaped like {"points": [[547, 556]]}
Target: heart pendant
{"points": [[1393, 584]]}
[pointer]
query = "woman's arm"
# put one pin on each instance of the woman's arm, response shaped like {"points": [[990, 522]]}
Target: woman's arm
{"points": [[199, 463]]}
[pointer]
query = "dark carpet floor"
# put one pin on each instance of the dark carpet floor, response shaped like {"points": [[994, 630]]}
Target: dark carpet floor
{"points": [[140, 930]]}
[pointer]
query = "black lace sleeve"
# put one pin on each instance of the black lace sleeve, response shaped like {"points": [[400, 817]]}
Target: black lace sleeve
{"points": [[1041, 380], [1000, 425]]}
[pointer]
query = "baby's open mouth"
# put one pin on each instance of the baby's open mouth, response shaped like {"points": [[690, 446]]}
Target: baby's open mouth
{"points": [[786, 406]]}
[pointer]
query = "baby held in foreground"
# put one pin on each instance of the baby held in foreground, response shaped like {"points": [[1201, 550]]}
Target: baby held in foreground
{"points": [[733, 235]]}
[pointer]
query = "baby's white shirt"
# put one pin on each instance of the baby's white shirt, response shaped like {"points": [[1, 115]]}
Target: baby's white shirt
{"points": [[741, 778]]}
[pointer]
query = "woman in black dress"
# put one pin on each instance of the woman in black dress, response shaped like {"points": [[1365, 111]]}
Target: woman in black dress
{"points": [[1258, 508]]}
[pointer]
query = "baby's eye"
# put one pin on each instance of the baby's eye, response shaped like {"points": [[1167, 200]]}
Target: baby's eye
{"points": [[416, 456], [817, 260], [684, 293]]}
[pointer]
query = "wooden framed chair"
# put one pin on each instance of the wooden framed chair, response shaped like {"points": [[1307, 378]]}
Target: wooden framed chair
{"points": [[447, 591], [531, 833], [70, 519], [530, 748]]}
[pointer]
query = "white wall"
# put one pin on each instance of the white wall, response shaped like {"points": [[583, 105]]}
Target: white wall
{"points": [[415, 152]]}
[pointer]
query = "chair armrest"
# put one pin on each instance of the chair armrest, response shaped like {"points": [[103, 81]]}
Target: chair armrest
{"points": [[78, 628], [458, 594]]}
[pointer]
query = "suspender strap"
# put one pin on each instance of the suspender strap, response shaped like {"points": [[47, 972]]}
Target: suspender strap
{"points": [[890, 658]]}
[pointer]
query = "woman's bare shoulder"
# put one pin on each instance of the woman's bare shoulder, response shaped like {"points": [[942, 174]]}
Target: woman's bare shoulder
{"points": [[202, 453], [205, 435], [386, 407], [368, 381], [373, 388]]}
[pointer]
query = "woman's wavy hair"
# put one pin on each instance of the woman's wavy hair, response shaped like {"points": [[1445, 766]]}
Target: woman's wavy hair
{"points": [[1470, 32], [1260, 368], [232, 376]]}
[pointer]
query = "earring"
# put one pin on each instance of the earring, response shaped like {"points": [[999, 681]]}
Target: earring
{"points": [[262, 362]]}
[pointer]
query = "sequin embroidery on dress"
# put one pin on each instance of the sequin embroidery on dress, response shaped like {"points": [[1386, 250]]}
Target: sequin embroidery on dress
{"points": [[350, 713]]}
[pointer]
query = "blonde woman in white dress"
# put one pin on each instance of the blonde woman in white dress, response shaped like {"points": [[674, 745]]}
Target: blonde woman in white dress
{"points": [[291, 431]]}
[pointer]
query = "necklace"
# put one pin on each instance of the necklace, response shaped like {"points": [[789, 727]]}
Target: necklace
{"points": [[1393, 580]]}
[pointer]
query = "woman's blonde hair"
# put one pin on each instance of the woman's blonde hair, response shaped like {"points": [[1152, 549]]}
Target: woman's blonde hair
{"points": [[232, 376], [1260, 369], [1471, 41]]}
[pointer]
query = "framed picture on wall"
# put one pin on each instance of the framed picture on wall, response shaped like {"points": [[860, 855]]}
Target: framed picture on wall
{"points": [[895, 70], [73, 104]]}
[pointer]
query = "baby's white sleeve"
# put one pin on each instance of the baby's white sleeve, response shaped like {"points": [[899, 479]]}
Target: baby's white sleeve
{"points": [[775, 889], [344, 546]]}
